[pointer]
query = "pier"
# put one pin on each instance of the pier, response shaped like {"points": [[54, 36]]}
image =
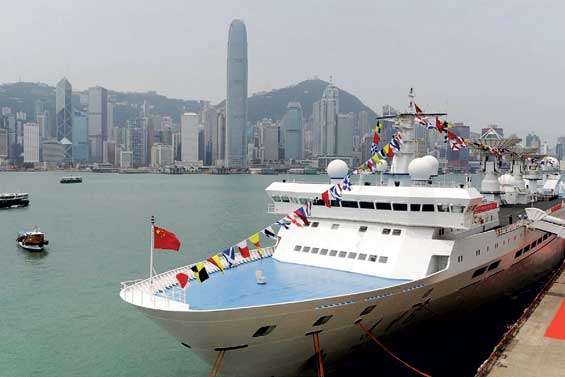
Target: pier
{"points": [[535, 344]]}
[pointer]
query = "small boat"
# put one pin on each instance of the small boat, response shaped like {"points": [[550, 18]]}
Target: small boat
{"points": [[71, 180], [14, 200], [260, 278], [32, 240]]}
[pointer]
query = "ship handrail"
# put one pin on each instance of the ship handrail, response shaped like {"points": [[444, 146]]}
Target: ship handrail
{"points": [[159, 284]]}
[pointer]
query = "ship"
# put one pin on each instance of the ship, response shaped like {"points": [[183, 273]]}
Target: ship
{"points": [[14, 200], [71, 179], [32, 240], [382, 258]]}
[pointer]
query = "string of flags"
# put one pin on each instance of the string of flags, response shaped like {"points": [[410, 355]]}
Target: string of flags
{"points": [[456, 142]]}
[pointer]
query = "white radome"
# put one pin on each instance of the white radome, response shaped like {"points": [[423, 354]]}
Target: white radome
{"points": [[337, 169], [434, 162], [382, 166], [421, 169]]}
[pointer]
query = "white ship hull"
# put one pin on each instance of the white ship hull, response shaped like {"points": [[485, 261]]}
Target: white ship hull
{"points": [[286, 350]]}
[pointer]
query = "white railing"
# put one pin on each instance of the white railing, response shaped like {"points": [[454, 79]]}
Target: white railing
{"points": [[158, 293]]}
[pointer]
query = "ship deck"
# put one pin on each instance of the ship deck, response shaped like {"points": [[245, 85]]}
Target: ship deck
{"points": [[512, 211], [286, 282]]}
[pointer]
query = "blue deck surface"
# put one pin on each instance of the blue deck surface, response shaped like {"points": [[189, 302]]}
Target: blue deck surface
{"points": [[237, 287]]}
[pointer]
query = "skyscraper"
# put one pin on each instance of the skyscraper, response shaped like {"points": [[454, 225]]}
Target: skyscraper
{"points": [[31, 143], [64, 115], [329, 108], [236, 97], [80, 137], [97, 121], [189, 137], [293, 132], [344, 139]]}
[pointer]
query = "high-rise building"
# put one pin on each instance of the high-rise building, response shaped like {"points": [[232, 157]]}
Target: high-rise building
{"points": [[363, 124], [80, 137], [533, 141], [268, 141], [316, 137], [161, 155], [210, 120], [137, 144], [3, 144], [236, 98], [43, 123], [560, 148], [189, 136], [97, 121], [221, 139], [292, 132], [329, 108], [126, 158], [344, 137], [31, 143], [64, 115], [53, 151], [459, 160]]}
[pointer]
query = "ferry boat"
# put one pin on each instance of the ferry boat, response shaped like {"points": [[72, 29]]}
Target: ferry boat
{"points": [[73, 179], [384, 257], [14, 200], [32, 240]]}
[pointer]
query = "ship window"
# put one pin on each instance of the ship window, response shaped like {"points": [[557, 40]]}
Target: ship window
{"points": [[306, 249], [372, 258], [367, 310], [400, 206], [460, 258], [527, 248], [367, 205], [493, 265], [428, 208], [532, 245], [265, 330], [496, 245], [383, 259], [396, 232], [480, 271], [342, 254], [352, 255], [443, 208], [363, 228], [303, 201], [315, 224], [322, 320], [323, 251], [335, 203], [276, 198], [381, 205], [335, 226], [415, 207], [333, 253], [545, 236], [386, 231], [477, 252], [488, 248], [518, 253], [318, 202], [293, 199], [297, 248], [285, 199], [362, 256], [349, 204], [315, 250], [457, 209]]}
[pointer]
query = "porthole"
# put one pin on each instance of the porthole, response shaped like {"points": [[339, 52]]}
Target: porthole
{"points": [[322, 320], [263, 331]]}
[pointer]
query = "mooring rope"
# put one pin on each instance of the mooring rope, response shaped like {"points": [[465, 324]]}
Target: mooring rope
{"points": [[390, 353], [217, 364], [317, 349]]}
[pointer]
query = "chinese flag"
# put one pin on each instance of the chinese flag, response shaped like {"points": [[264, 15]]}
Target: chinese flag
{"points": [[163, 239], [326, 199]]}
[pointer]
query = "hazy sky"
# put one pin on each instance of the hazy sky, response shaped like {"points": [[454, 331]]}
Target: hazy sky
{"points": [[481, 61]]}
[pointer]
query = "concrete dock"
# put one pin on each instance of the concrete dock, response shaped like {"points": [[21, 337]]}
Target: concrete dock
{"points": [[535, 345]]}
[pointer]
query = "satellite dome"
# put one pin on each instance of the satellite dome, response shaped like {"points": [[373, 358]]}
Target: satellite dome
{"points": [[337, 169], [420, 169], [434, 162], [506, 180], [382, 166]]}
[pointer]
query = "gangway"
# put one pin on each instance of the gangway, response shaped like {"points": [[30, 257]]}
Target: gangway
{"points": [[541, 220]]}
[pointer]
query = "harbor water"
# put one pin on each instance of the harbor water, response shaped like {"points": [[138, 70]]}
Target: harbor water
{"points": [[60, 313]]}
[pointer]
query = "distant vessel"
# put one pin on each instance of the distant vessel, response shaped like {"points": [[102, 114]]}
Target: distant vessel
{"points": [[14, 200], [32, 240], [71, 180]]}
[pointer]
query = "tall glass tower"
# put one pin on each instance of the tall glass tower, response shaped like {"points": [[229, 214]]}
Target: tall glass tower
{"points": [[236, 98], [64, 115]]}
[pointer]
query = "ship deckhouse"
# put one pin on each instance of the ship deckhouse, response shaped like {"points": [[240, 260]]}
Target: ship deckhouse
{"points": [[404, 232]]}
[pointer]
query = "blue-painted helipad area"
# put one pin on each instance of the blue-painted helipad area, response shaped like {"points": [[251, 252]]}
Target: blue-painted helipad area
{"points": [[237, 287]]}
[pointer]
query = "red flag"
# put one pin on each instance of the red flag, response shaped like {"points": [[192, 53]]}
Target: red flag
{"points": [[243, 249], [326, 199], [163, 239], [182, 279], [376, 138], [418, 110]]}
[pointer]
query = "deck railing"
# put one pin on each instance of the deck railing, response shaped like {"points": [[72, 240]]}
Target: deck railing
{"points": [[158, 292]]}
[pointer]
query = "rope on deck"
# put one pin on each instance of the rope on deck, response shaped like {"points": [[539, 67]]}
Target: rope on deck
{"points": [[217, 364], [390, 353], [316, 339]]}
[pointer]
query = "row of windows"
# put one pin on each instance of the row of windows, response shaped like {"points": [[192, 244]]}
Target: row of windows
{"points": [[362, 229], [531, 246], [483, 269], [341, 254], [414, 207]]}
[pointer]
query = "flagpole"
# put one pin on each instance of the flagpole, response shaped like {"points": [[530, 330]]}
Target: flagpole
{"points": [[151, 253]]}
